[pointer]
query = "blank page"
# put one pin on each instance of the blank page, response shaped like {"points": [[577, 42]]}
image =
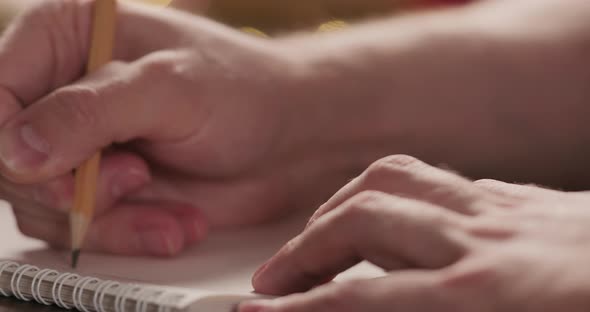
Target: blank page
{"points": [[224, 263]]}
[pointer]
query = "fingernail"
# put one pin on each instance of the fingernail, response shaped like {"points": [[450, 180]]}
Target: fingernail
{"points": [[22, 148], [157, 242], [260, 270], [127, 182], [255, 306]]}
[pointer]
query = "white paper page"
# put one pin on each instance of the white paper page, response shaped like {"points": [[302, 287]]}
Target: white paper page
{"points": [[224, 263]]}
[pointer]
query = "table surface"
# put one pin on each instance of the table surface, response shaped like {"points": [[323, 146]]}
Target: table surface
{"points": [[13, 305]]}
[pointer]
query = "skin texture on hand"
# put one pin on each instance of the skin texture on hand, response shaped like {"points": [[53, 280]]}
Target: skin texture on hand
{"points": [[494, 89], [198, 141], [205, 126], [449, 244]]}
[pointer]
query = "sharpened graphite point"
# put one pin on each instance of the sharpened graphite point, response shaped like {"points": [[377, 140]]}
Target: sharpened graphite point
{"points": [[75, 256]]}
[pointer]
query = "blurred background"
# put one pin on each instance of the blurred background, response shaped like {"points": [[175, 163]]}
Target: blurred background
{"points": [[271, 16], [276, 16]]}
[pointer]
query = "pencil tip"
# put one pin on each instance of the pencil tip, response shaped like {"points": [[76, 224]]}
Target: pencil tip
{"points": [[75, 256]]}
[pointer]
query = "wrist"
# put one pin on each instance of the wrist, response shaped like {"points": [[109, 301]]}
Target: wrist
{"points": [[367, 93], [343, 109], [338, 121], [449, 87]]}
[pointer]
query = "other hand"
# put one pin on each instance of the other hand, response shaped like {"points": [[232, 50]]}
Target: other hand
{"points": [[448, 244]]}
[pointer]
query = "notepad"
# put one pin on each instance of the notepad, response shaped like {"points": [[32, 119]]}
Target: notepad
{"points": [[211, 277]]}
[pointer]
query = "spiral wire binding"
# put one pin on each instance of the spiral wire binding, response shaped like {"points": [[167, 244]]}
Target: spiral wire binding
{"points": [[36, 284], [79, 287], [58, 286], [16, 278], [123, 293], [100, 292], [4, 266], [164, 307], [142, 295]]}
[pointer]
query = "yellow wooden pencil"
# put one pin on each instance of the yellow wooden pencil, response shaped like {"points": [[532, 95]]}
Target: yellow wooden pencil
{"points": [[101, 50]]}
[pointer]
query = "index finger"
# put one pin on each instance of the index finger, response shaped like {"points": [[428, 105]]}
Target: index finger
{"points": [[409, 177], [386, 230]]}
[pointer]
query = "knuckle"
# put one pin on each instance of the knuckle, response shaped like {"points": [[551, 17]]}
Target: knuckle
{"points": [[362, 210], [463, 278], [487, 182], [159, 67], [290, 246], [454, 196], [399, 161], [76, 106], [364, 203], [171, 66], [391, 166]]}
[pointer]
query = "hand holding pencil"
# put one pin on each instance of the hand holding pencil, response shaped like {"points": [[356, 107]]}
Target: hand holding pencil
{"points": [[55, 122], [158, 192]]}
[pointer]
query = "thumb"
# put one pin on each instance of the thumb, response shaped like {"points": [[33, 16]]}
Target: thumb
{"points": [[118, 103]]}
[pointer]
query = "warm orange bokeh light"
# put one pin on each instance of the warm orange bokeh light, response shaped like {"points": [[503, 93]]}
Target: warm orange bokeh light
{"points": [[156, 2]]}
